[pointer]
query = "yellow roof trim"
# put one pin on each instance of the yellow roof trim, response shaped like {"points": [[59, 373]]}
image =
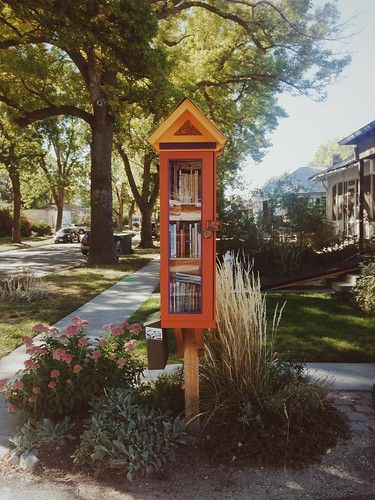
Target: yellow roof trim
{"points": [[186, 105]]}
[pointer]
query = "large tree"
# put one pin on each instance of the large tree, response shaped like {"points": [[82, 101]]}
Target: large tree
{"points": [[63, 161], [19, 153], [232, 56], [84, 59]]}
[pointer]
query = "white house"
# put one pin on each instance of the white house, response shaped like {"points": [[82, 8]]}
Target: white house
{"points": [[351, 187]]}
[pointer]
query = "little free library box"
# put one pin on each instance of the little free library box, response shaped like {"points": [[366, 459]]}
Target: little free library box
{"points": [[188, 144]]}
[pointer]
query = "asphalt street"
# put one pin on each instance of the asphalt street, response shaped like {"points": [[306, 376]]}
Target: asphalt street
{"points": [[41, 260]]}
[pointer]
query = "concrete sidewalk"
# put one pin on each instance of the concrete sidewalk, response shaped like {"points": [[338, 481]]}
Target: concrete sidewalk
{"points": [[343, 376]]}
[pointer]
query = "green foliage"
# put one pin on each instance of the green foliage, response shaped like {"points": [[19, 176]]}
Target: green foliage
{"points": [[26, 226], [365, 289], [166, 394], [5, 222], [65, 371], [43, 434], [125, 436], [42, 229], [324, 154]]}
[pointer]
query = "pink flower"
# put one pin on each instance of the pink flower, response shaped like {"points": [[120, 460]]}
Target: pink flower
{"points": [[55, 373], [32, 399], [28, 341], [130, 345], [87, 360], [29, 363], [135, 328], [71, 330], [69, 381], [39, 328], [52, 384], [58, 353], [116, 331], [36, 390], [83, 342], [68, 358], [125, 325], [11, 409], [109, 326], [77, 368], [3, 382], [121, 362], [96, 354], [17, 385], [102, 342], [79, 322]]}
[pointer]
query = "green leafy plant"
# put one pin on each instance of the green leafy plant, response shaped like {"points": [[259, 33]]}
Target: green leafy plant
{"points": [[65, 371], [34, 436], [365, 289], [42, 229], [126, 436], [166, 393]]}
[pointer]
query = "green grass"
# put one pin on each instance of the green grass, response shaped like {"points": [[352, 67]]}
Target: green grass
{"points": [[32, 241], [69, 289], [322, 327], [151, 306]]}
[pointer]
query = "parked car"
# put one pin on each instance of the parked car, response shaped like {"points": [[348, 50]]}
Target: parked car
{"points": [[85, 242], [66, 235]]}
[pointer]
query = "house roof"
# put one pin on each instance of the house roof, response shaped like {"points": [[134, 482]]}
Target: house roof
{"points": [[341, 165], [355, 137]]}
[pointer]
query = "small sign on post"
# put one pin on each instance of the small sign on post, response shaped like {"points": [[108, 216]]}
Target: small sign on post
{"points": [[188, 144]]}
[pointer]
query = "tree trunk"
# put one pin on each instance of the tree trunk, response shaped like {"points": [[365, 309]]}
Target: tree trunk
{"points": [[102, 247], [120, 217], [131, 213], [16, 188], [60, 209], [146, 228]]}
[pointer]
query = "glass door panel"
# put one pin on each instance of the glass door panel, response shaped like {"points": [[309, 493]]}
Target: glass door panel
{"points": [[185, 236]]}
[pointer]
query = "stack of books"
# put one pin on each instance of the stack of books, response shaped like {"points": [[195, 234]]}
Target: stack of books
{"points": [[185, 185], [185, 293], [185, 240]]}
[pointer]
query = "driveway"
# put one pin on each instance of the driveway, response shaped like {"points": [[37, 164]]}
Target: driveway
{"points": [[41, 260]]}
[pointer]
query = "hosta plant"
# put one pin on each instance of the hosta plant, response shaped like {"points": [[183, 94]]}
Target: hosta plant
{"points": [[64, 371]]}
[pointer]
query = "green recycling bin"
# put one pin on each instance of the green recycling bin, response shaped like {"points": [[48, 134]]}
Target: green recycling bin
{"points": [[126, 244]]}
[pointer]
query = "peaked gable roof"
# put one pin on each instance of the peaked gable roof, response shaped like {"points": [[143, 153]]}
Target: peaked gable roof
{"points": [[187, 123]]}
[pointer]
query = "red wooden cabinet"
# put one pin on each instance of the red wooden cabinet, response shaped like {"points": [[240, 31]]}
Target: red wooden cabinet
{"points": [[188, 145]]}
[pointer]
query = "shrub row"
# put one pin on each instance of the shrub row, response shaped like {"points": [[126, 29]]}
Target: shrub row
{"points": [[27, 227]]}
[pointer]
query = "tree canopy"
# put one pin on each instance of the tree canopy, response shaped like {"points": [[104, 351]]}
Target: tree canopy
{"points": [[102, 61]]}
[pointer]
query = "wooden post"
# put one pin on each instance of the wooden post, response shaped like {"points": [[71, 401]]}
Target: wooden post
{"points": [[191, 375]]}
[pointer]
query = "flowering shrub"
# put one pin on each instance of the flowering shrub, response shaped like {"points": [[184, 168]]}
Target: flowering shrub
{"points": [[65, 371]]}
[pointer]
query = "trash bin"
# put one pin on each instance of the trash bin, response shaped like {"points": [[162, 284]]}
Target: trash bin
{"points": [[126, 244]]}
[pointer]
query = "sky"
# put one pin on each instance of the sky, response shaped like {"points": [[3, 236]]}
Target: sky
{"points": [[350, 104]]}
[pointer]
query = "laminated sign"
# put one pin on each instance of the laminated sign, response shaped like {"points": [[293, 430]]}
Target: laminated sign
{"points": [[154, 333]]}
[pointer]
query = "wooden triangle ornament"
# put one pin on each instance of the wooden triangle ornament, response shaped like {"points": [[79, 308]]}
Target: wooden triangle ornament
{"points": [[188, 129]]}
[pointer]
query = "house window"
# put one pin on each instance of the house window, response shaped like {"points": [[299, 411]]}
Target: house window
{"points": [[339, 201], [334, 203]]}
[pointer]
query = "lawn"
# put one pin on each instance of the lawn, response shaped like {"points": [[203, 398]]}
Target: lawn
{"points": [[68, 289], [314, 327], [322, 327], [32, 241]]}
